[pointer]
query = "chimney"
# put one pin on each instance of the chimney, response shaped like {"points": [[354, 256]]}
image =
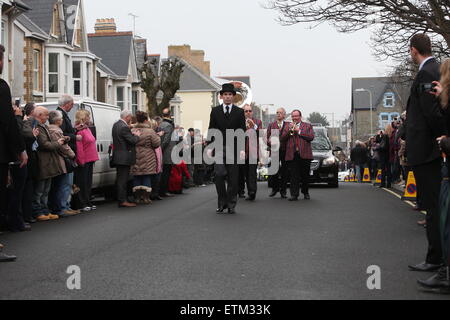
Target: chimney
{"points": [[105, 26]]}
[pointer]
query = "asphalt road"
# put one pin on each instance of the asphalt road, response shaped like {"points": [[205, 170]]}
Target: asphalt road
{"points": [[181, 249]]}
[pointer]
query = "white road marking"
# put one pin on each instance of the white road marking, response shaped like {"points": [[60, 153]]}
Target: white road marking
{"points": [[407, 201]]}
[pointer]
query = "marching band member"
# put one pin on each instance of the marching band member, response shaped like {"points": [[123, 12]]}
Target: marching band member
{"points": [[278, 182], [299, 154], [247, 171]]}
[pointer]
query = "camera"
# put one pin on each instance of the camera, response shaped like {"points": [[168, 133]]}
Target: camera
{"points": [[427, 87]]}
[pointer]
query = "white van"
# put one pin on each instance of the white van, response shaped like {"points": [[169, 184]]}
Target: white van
{"points": [[103, 117]]}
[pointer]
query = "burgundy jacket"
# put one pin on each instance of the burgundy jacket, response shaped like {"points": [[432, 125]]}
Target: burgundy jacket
{"points": [[274, 126], [251, 150], [299, 142]]}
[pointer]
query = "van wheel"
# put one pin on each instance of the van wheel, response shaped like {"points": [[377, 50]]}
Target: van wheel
{"points": [[110, 193]]}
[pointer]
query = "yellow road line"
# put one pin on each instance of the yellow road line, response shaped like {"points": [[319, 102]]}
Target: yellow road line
{"points": [[407, 201]]}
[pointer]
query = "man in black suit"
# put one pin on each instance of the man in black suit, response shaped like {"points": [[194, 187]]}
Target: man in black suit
{"points": [[12, 145], [424, 125], [65, 106], [227, 117], [124, 155]]}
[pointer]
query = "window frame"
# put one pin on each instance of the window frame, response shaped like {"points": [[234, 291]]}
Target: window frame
{"points": [[120, 103], [53, 73], [36, 70], [77, 79], [389, 96]]}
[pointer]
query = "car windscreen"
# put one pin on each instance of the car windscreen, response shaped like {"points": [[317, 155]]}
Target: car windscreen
{"points": [[321, 141]]}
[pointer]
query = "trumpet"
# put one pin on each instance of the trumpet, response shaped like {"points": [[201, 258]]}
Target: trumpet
{"points": [[293, 127]]}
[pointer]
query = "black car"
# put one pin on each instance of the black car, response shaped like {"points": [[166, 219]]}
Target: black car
{"points": [[325, 166]]}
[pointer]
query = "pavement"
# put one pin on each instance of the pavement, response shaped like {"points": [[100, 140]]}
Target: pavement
{"points": [[181, 249]]}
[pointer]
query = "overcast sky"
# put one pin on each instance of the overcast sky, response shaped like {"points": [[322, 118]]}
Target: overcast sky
{"points": [[289, 66]]}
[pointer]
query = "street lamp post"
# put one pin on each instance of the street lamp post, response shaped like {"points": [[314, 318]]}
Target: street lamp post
{"points": [[371, 106]]}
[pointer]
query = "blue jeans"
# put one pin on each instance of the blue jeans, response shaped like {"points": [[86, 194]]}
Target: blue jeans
{"points": [[40, 198], [67, 191], [57, 200], [145, 181]]}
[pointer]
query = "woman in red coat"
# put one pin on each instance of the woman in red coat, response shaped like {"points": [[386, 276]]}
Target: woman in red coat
{"points": [[176, 177]]}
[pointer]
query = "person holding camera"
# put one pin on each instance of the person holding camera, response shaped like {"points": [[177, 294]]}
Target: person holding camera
{"points": [[50, 165], [424, 125], [441, 280]]}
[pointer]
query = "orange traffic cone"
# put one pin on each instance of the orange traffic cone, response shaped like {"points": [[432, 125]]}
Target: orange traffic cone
{"points": [[411, 188], [366, 177], [378, 180]]}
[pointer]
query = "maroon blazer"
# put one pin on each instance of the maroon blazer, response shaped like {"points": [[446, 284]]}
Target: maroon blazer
{"points": [[274, 126], [299, 142], [252, 150]]}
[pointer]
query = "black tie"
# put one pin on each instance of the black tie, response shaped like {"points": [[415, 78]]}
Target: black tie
{"points": [[228, 110]]}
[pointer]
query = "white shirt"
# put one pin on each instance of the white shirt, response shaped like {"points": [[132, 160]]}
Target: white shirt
{"points": [[225, 108], [423, 63]]}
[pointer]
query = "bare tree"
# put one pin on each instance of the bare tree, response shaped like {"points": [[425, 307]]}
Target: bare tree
{"points": [[395, 21], [156, 80]]}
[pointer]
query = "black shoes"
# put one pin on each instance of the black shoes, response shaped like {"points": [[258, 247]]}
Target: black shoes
{"points": [[283, 196], [307, 197], [273, 194], [221, 210], [242, 195], [440, 281], [293, 199], [425, 267], [251, 197], [7, 258]]}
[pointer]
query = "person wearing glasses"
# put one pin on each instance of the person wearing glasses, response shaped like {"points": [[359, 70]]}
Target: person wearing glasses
{"points": [[247, 171]]}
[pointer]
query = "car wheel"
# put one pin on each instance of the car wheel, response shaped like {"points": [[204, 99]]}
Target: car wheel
{"points": [[334, 184]]}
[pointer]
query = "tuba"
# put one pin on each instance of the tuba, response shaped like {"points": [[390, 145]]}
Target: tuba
{"points": [[244, 94]]}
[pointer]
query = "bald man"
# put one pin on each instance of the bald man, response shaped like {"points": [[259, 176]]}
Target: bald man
{"points": [[278, 182]]}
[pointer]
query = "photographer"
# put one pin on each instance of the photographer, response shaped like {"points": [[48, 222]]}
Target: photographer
{"points": [[424, 125], [441, 280]]}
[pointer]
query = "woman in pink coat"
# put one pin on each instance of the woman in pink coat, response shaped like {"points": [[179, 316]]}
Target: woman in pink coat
{"points": [[87, 155]]}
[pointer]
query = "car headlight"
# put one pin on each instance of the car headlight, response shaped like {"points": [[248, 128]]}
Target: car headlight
{"points": [[329, 162]]}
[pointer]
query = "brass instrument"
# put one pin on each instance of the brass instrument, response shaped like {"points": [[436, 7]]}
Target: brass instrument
{"points": [[293, 127]]}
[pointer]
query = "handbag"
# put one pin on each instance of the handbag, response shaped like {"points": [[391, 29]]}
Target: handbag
{"points": [[71, 165], [110, 156]]}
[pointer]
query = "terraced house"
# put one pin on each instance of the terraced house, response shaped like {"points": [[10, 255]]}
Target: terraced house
{"points": [[52, 52]]}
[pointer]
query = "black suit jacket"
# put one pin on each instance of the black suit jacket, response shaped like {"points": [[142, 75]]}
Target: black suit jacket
{"points": [[69, 130], [11, 140], [124, 142], [424, 121], [235, 121]]}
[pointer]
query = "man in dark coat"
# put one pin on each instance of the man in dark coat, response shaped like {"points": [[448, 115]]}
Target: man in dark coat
{"points": [[167, 145], [424, 125], [359, 157], [124, 155], [227, 117], [12, 145], [66, 104]]}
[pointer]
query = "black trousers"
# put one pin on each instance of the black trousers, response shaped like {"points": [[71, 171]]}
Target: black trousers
{"points": [[386, 177], [428, 179], [247, 176], [165, 176], [123, 175], [83, 179], [300, 170], [27, 200], [3, 192], [278, 182], [228, 186], [15, 195]]}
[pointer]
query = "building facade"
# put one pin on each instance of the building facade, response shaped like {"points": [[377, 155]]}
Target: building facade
{"points": [[379, 98]]}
